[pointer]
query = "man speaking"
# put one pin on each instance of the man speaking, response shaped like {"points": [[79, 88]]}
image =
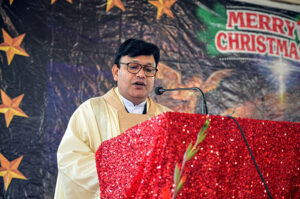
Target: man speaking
{"points": [[102, 118]]}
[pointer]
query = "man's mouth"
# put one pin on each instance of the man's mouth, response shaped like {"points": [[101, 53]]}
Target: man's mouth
{"points": [[140, 83]]}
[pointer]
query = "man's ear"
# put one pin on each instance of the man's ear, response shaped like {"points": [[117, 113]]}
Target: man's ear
{"points": [[115, 71], [155, 74]]}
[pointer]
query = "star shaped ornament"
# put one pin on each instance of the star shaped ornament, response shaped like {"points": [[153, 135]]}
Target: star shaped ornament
{"points": [[12, 46], [10, 107], [11, 1], [9, 170], [163, 7], [113, 3], [53, 1]]}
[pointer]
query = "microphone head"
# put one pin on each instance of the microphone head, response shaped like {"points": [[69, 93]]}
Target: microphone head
{"points": [[159, 90]]}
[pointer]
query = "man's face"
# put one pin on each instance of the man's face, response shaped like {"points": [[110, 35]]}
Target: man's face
{"points": [[134, 87]]}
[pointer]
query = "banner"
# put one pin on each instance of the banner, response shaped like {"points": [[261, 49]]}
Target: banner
{"points": [[55, 54]]}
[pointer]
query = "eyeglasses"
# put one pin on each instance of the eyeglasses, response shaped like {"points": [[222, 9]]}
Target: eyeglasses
{"points": [[135, 68]]}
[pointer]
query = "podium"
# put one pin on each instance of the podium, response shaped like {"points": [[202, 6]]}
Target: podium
{"points": [[140, 162]]}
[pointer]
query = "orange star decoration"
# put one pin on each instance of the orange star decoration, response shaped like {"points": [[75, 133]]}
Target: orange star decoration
{"points": [[12, 46], [9, 170], [53, 1], [113, 3], [10, 107], [163, 7]]}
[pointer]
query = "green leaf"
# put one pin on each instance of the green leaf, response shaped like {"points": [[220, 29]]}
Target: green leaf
{"points": [[180, 185], [176, 173], [201, 138], [192, 154], [187, 151], [204, 128]]}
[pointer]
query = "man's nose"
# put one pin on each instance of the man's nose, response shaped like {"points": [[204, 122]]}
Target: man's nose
{"points": [[141, 73]]}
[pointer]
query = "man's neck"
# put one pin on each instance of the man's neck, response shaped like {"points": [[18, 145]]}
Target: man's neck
{"points": [[132, 108]]}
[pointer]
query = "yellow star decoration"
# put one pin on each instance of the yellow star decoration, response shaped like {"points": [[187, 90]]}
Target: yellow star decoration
{"points": [[12, 46], [9, 170], [53, 1], [113, 3], [11, 1], [10, 107], [163, 7]]}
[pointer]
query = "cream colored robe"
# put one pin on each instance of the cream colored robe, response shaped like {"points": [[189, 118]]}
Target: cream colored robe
{"points": [[96, 120]]}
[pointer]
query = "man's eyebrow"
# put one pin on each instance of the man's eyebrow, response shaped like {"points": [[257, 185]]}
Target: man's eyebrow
{"points": [[149, 63]]}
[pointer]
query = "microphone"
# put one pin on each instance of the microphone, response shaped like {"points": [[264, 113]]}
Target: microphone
{"points": [[160, 90]]}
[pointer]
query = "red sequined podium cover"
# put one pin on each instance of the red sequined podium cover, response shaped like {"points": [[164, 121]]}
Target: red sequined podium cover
{"points": [[140, 162]]}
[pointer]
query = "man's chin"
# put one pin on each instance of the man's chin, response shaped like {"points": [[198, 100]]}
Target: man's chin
{"points": [[139, 97]]}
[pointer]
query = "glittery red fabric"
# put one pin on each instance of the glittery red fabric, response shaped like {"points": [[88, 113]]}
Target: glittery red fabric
{"points": [[140, 163]]}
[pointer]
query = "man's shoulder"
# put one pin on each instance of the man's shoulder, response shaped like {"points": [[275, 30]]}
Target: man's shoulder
{"points": [[88, 107], [161, 107], [164, 108], [92, 101]]}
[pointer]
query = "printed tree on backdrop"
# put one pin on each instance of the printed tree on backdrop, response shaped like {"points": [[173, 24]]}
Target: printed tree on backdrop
{"points": [[215, 20]]}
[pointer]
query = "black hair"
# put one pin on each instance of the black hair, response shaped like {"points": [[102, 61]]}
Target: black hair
{"points": [[134, 47]]}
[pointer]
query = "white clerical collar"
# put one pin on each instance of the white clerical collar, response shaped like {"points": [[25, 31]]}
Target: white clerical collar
{"points": [[131, 108]]}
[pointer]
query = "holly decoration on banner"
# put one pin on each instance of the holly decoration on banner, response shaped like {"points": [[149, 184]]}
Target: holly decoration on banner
{"points": [[214, 21]]}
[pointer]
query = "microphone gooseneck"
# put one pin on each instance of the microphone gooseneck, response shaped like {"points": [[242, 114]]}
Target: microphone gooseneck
{"points": [[160, 90]]}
